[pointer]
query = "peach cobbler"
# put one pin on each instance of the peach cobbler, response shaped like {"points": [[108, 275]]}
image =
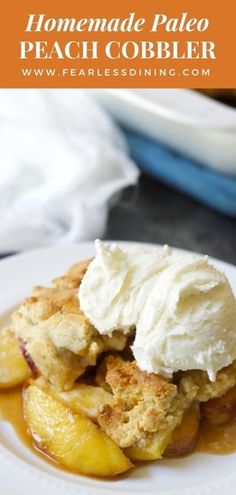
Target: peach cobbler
{"points": [[129, 356]]}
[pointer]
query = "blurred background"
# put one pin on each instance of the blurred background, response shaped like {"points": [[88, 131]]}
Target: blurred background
{"points": [[142, 165]]}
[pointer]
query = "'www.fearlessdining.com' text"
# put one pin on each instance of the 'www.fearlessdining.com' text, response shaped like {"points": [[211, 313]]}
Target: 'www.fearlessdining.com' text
{"points": [[116, 72]]}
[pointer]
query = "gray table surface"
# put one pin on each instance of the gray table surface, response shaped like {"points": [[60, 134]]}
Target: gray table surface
{"points": [[152, 212]]}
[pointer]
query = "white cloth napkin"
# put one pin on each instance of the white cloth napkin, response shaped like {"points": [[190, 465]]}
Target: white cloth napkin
{"points": [[61, 161]]}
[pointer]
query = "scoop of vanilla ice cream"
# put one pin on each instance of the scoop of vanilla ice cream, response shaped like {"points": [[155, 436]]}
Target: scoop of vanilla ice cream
{"points": [[182, 306]]}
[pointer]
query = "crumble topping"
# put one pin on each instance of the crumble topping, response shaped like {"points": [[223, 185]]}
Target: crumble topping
{"points": [[60, 340]]}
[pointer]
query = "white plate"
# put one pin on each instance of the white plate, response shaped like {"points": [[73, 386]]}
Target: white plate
{"points": [[22, 473]]}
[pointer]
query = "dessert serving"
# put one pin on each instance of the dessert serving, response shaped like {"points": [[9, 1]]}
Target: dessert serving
{"points": [[128, 357]]}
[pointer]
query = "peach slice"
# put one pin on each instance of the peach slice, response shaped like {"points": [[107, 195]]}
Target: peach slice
{"points": [[185, 436], [13, 367], [150, 452], [82, 398], [71, 439], [27, 357], [220, 410]]}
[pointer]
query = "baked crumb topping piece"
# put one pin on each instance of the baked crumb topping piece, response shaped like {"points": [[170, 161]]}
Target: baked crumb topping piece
{"points": [[198, 384], [55, 333], [73, 276], [145, 408]]}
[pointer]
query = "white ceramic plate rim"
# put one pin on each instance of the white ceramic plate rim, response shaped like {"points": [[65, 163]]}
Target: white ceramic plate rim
{"points": [[21, 472]]}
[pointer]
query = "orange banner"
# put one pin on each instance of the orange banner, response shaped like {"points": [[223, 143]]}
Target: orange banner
{"points": [[118, 44]]}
